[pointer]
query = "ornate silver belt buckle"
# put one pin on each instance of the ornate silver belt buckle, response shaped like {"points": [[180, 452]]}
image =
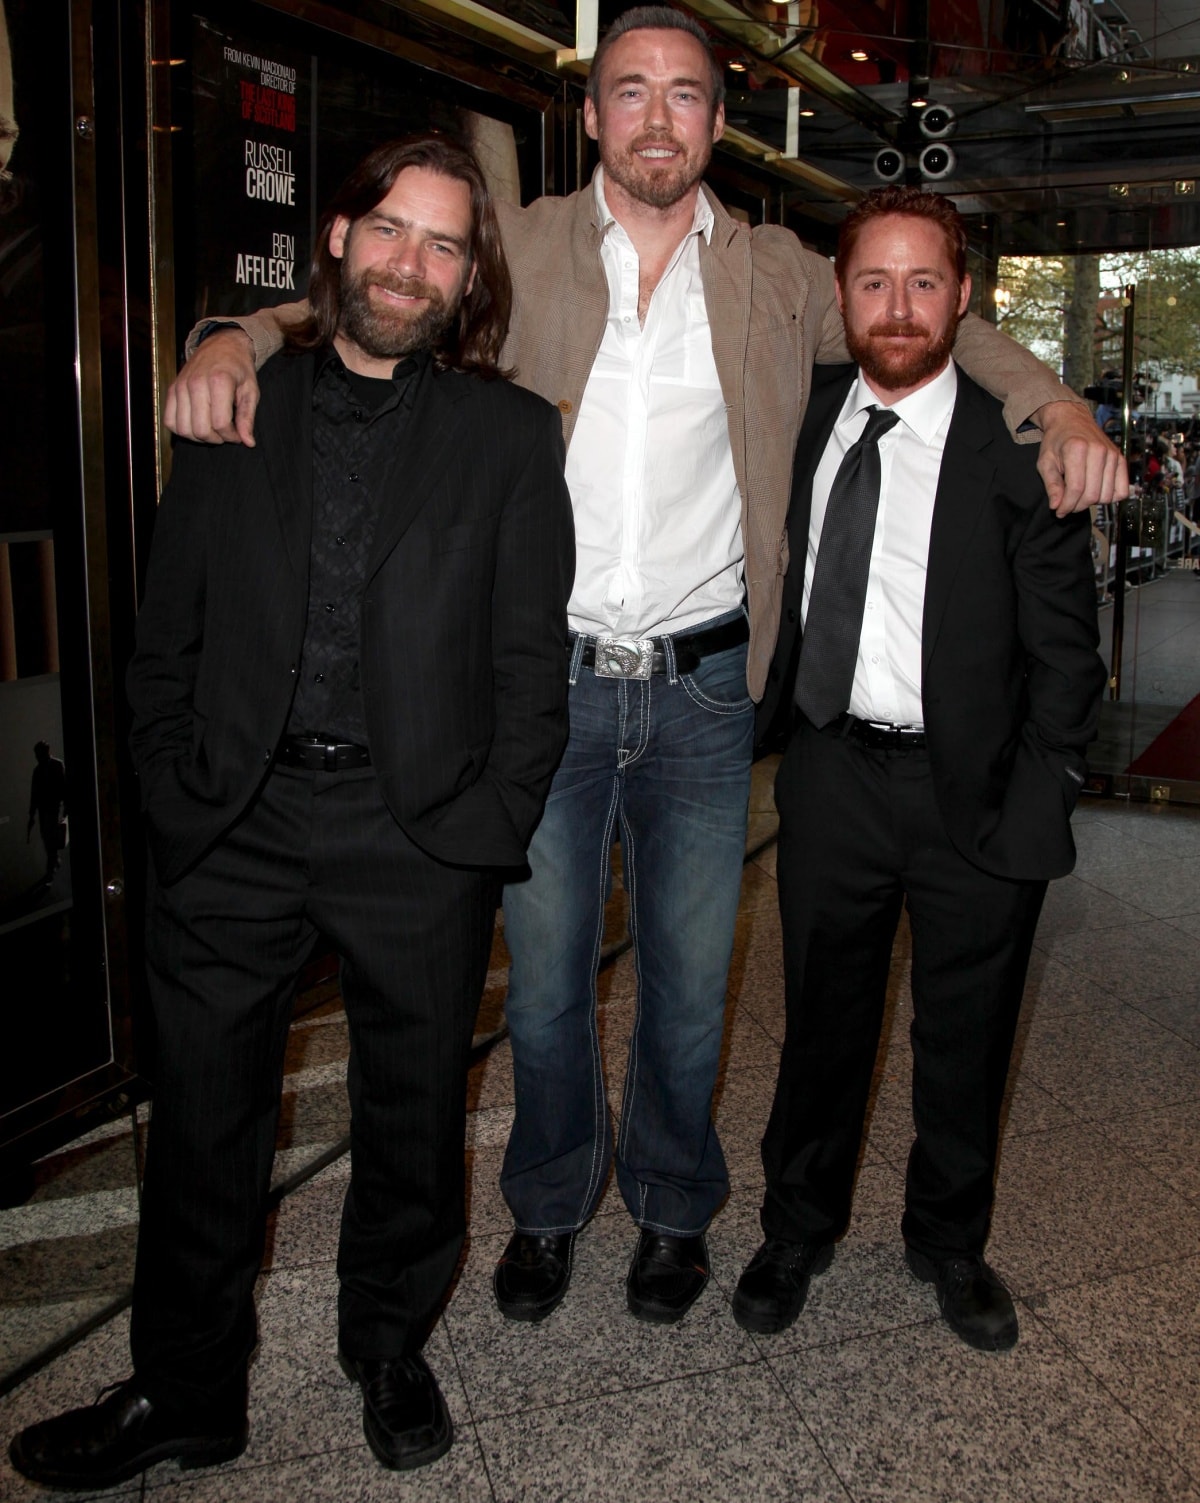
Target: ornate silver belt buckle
{"points": [[624, 657]]}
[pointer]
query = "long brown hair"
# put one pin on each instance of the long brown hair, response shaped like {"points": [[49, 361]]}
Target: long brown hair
{"points": [[474, 340]]}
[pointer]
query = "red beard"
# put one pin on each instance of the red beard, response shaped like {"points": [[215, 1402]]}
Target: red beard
{"points": [[895, 367]]}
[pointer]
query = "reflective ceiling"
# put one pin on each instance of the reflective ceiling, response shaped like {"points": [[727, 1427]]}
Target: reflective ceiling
{"points": [[1060, 126]]}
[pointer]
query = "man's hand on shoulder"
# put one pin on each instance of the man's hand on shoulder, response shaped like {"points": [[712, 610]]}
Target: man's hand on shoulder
{"points": [[1079, 466], [214, 397]]}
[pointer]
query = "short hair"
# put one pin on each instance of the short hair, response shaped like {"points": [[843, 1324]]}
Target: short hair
{"points": [[917, 203], [654, 18], [474, 340]]}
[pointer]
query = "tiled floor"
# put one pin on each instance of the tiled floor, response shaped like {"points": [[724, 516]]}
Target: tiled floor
{"points": [[868, 1397]]}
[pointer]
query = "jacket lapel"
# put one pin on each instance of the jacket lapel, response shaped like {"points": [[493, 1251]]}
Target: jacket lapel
{"points": [[432, 439], [964, 485], [284, 426], [830, 385], [725, 272]]}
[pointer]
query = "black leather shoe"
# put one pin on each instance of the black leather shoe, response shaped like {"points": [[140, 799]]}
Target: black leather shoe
{"points": [[120, 1435], [405, 1418], [771, 1291], [666, 1276], [975, 1303], [532, 1275]]}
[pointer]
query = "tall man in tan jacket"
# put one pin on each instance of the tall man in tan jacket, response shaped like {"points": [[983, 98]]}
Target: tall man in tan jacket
{"points": [[678, 345]]}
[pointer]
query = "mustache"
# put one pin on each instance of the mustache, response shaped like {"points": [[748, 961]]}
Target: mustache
{"points": [[405, 286], [887, 330], [658, 141]]}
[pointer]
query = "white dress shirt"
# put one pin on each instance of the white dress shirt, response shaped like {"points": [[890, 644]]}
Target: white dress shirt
{"points": [[887, 678], [658, 536]]}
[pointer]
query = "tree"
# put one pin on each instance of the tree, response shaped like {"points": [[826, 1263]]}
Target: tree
{"points": [[1045, 302], [1079, 341]]}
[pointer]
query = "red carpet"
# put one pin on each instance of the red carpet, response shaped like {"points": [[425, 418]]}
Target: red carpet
{"points": [[1174, 752]]}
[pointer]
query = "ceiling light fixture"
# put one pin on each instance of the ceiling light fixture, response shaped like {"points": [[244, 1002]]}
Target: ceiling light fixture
{"points": [[859, 55]]}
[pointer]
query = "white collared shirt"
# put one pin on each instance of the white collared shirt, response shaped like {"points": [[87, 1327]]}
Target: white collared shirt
{"points": [[658, 536], [887, 678]]}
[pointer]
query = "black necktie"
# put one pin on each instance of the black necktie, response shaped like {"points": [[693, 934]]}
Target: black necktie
{"points": [[829, 650]]}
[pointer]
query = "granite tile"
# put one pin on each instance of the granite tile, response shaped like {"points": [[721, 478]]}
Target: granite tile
{"points": [[1165, 1142], [1145, 876], [747, 1043], [27, 1331], [1189, 923], [765, 861], [1180, 1015], [1071, 1206], [304, 1228], [867, 1288], [85, 1168], [325, 1041], [1139, 1334], [1073, 904], [591, 1344], [71, 1381], [1133, 962], [490, 1078], [91, 1263], [916, 1416], [1110, 1062], [1166, 827], [486, 1210], [714, 1435], [333, 1476], [300, 1401], [1054, 987]]}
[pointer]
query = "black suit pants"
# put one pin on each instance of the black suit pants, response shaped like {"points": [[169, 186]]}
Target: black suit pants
{"points": [[316, 854], [859, 835]]}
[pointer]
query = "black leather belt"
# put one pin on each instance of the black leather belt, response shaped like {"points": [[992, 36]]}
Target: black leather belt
{"points": [[631, 657], [874, 735], [318, 754]]}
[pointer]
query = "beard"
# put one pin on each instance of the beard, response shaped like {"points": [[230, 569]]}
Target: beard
{"points": [[660, 184], [894, 367], [387, 333]]}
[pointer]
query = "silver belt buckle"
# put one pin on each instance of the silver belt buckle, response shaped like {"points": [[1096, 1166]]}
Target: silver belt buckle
{"points": [[624, 657]]}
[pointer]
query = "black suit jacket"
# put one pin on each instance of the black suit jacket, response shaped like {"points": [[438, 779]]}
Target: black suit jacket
{"points": [[1011, 679], [463, 638]]}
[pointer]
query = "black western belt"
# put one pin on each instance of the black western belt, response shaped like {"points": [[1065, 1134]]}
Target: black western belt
{"points": [[639, 657], [321, 754], [875, 735]]}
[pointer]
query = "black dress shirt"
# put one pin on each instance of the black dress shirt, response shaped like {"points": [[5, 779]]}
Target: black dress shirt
{"points": [[359, 423]]}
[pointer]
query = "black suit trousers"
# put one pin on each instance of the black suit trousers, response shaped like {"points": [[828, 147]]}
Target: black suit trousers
{"points": [[317, 853], [860, 835]]}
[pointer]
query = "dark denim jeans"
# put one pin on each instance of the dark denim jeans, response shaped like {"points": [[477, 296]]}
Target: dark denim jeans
{"points": [[666, 761]]}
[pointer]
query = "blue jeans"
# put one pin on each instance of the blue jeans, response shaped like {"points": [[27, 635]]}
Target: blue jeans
{"points": [[666, 761]]}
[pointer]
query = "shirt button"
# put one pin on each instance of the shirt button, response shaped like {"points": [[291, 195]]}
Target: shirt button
{"points": [[353, 475], [359, 415], [331, 609], [564, 405], [340, 541], [267, 755], [628, 319], [318, 678], [874, 659]]}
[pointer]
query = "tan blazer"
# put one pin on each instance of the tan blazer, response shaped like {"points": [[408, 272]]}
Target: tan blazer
{"points": [[772, 311]]}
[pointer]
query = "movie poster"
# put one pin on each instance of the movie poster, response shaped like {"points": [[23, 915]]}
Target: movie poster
{"points": [[254, 201]]}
